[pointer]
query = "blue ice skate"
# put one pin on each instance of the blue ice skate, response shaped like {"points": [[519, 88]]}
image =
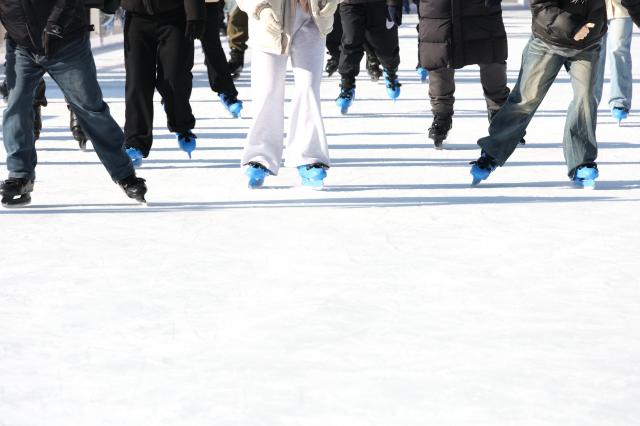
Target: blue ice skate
{"points": [[187, 141], [619, 114], [393, 85], [585, 176], [313, 175], [232, 104], [482, 168], [345, 99], [135, 155], [422, 73], [256, 173]]}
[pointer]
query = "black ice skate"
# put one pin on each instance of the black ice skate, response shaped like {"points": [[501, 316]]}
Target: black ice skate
{"points": [[439, 130], [236, 62], [76, 131], [373, 67], [332, 65], [16, 192], [134, 187]]}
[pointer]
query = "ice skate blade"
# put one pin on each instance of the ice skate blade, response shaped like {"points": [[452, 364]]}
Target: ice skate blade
{"points": [[17, 202]]}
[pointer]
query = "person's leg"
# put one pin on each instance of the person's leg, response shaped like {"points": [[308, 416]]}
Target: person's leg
{"points": [[619, 53], [23, 77], [539, 68], [264, 143], [74, 70], [175, 61], [306, 139], [383, 40], [217, 66], [494, 85], [442, 87], [579, 142], [353, 17], [334, 38], [140, 63]]}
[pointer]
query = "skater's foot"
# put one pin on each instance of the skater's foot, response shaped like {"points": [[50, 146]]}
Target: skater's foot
{"points": [[423, 74], [585, 176], [619, 113], [345, 98], [373, 68], [392, 83], [187, 141], [439, 129], [134, 187], [256, 172], [16, 192], [313, 175], [332, 65], [482, 168], [236, 62], [135, 155], [232, 104]]}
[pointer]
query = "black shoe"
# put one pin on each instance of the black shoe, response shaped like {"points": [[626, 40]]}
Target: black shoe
{"points": [[373, 68], [37, 121], [332, 65], [16, 192], [236, 62], [134, 187], [76, 131], [440, 129]]}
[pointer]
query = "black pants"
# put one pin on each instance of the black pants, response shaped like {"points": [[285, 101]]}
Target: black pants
{"points": [[217, 66], [334, 38], [366, 22], [442, 87], [156, 55]]}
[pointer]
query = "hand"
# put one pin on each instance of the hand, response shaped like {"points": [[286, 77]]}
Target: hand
{"points": [[270, 22], [584, 31], [52, 38], [194, 29], [394, 14]]}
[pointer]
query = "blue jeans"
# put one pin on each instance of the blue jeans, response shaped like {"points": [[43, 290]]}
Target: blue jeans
{"points": [[72, 67], [618, 52], [541, 63]]}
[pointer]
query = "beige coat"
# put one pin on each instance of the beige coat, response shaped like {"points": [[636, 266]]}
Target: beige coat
{"points": [[321, 11], [616, 10]]}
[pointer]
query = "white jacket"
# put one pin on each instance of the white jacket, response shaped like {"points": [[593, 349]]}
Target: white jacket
{"points": [[615, 9], [285, 10]]}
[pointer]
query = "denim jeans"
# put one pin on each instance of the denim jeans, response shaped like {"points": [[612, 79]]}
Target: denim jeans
{"points": [[72, 67], [541, 63], [618, 52]]}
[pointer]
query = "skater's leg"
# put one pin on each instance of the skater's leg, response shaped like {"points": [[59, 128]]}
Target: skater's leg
{"points": [[334, 38], [442, 87], [383, 40], [494, 84], [140, 59], [540, 66], [23, 76], [306, 139], [217, 66], [74, 70], [619, 52], [579, 142], [353, 17], [264, 143]]}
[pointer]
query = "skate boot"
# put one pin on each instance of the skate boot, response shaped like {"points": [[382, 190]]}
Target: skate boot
{"points": [[373, 67], [345, 98], [236, 62], [187, 141], [332, 65], [482, 168], [135, 155], [492, 113], [619, 113], [256, 173], [393, 85], [585, 176], [76, 131], [423, 74], [134, 187], [4, 90], [439, 129], [16, 192], [232, 104], [37, 121], [313, 175]]}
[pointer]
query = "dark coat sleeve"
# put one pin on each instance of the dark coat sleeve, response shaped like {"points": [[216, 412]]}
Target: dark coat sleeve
{"points": [[633, 6], [560, 24], [195, 10]]}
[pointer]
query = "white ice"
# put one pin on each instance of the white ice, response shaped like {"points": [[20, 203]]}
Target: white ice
{"points": [[397, 296]]}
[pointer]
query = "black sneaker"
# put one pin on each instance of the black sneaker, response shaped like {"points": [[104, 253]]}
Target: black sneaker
{"points": [[16, 192], [134, 187], [440, 129]]}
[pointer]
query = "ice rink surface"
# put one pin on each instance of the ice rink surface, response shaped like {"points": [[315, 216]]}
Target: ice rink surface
{"points": [[399, 296]]}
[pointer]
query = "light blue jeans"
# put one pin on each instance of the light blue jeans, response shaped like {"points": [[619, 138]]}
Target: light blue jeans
{"points": [[618, 53]]}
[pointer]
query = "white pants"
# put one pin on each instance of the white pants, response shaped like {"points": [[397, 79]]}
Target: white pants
{"points": [[306, 139]]}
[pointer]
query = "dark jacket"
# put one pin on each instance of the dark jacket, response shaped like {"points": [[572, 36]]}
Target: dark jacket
{"points": [[558, 21], [193, 8], [633, 6], [455, 33], [25, 20]]}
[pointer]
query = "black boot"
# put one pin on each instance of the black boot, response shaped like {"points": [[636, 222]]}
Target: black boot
{"points": [[76, 130], [37, 121], [134, 187], [373, 67], [440, 129], [236, 62], [332, 65], [16, 192]]}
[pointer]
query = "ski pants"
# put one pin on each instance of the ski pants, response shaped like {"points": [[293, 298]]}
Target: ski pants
{"points": [[442, 87], [366, 22], [156, 55], [217, 66], [306, 139]]}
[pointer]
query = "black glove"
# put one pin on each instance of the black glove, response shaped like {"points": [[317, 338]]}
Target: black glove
{"points": [[194, 30], [52, 38], [394, 14], [491, 3]]}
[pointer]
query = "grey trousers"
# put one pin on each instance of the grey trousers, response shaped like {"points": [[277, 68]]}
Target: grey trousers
{"points": [[442, 87]]}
